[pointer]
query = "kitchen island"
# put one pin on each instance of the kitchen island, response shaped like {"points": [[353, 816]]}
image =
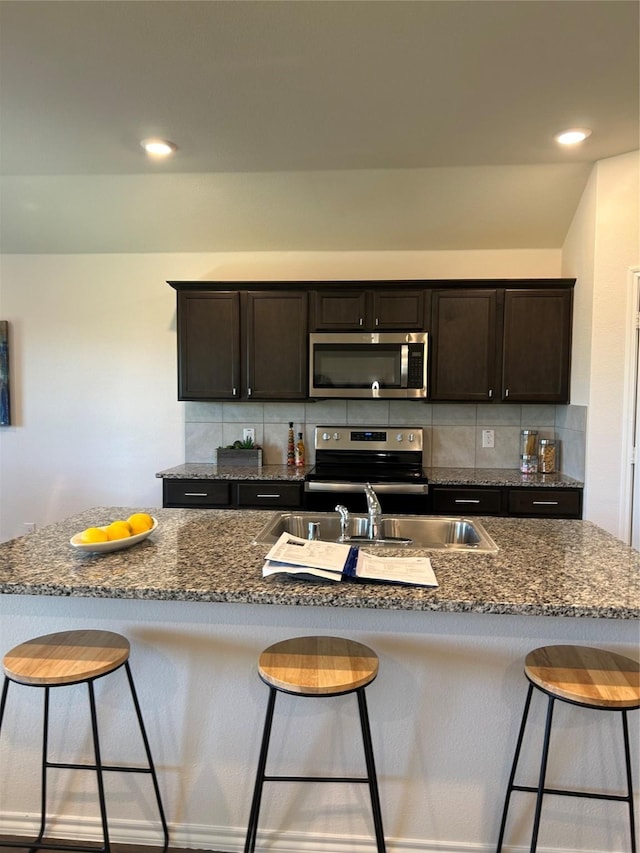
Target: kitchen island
{"points": [[444, 709]]}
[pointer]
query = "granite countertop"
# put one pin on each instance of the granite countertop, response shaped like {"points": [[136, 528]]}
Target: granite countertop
{"points": [[436, 476], [544, 567]]}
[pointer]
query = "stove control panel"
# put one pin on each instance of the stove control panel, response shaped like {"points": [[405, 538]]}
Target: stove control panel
{"points": [[371, 438]]}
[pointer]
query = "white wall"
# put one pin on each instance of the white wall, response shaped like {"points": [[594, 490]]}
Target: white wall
{"points": [[603, 244], [93, 362]]}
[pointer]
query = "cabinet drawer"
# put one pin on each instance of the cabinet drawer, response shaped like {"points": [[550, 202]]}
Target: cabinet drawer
{"points": [[196, 493], [268, 494], [467, 501], [564, 503]]}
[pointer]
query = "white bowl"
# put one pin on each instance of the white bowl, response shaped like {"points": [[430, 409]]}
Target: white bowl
{"points": [[112, 545]]}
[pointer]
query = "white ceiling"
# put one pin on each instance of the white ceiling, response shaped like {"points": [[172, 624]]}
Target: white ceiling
{"points": [[307, 124]]}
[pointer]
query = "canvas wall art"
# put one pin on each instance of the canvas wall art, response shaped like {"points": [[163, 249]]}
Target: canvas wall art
{"points": [[5, 407]]}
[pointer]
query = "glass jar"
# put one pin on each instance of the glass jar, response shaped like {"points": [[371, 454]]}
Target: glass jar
{"points": [[547, 456], [529, 442], [529, 464]]}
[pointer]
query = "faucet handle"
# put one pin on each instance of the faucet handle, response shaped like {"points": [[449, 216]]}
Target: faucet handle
{"points": [[344, 521]]}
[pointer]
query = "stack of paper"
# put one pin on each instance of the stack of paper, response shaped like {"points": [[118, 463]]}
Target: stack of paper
{"points": [[334, 561]]}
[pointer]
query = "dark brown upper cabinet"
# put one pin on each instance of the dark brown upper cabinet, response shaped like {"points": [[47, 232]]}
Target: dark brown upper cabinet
{"points": [[397, 308], [502, 339], [242, 345], [463, 351], [509, 344], [536, 349]]}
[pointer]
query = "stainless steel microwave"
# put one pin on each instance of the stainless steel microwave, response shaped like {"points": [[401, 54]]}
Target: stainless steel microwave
{"points": [[373, 365]]}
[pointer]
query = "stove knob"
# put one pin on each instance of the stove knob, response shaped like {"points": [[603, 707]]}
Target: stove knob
{"points": [[337, 436], [400, 437], [411, 436], [326, 436]]}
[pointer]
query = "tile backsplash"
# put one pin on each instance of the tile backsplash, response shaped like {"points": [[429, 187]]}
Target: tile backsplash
{"points": [[453, 432]]}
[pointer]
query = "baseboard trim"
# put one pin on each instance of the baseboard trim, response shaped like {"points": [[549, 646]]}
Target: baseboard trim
{"points": [[231, 839]]}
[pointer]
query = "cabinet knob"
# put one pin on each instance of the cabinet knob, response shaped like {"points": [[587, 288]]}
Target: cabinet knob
{"points": [[361, 323], [490, 393], [235, 392], [506, 392], [248, 392]]}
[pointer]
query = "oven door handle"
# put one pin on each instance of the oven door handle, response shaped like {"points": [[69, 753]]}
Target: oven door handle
{"points": [[380, 488]]}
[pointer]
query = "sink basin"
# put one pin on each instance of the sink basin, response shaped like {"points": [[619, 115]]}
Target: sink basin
{"points": [[433, 532]]}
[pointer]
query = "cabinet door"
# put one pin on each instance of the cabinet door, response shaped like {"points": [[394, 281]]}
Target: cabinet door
{"points": [[208, 345], [275, 345], [537, 345], [463, 355], [338, 311], [398, 309]]}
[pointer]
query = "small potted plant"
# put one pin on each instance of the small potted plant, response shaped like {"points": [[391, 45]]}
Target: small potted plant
{"points": [[241, 453]]}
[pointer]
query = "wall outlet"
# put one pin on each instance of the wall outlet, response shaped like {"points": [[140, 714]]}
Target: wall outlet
{"points": [[29, 527], [488, 438], [249, 432]]}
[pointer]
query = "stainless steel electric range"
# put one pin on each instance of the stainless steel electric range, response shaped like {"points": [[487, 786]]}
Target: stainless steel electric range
{"points": [[388, 457]]}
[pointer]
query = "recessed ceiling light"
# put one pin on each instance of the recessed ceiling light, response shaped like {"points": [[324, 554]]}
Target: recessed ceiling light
{"points": [[572, 136], [158, 147]]}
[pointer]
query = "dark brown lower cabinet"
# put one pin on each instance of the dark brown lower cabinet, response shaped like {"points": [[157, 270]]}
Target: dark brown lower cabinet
{"points": [[196, 493], [231, 494], [528, 502], [467, 501], [549, 503]]}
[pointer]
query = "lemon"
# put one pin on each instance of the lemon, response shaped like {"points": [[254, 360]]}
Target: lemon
{"points": [[118, 530], [93, 534], [140, 522]]}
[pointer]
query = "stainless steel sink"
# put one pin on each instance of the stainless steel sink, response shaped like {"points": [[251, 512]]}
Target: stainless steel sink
{"points": [[433, 532]]}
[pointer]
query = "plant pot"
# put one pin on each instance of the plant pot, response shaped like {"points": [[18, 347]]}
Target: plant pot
{"points": [[240, 458]]}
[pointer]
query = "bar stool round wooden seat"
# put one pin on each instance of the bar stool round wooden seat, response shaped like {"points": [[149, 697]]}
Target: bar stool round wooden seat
{"points": [[590, 678], [63, 659], [317, 666]]}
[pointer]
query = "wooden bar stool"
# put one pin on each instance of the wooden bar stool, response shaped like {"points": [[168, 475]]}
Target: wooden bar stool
{"points": [[317, 666], [59, 660], [590, 678]]}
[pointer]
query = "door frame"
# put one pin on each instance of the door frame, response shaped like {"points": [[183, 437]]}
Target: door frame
{"points": [[629, 521]]}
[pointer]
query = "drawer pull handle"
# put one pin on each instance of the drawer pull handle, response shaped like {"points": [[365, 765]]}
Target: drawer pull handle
{"points": [[268, 496], [196, 494], [467, 500], [546, 503]]}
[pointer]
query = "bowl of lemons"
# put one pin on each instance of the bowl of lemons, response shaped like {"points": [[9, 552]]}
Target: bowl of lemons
{"points": [[119, 534]]}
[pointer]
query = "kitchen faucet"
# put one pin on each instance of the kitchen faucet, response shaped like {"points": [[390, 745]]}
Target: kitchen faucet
{"points": [[374, 510]]}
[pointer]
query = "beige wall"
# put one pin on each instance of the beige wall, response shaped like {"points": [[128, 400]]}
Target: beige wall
{"points": [[602, 246]]}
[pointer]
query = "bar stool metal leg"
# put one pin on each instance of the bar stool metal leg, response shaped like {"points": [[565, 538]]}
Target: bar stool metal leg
{"points": [[627, 758], [371, 770], [147, 749], [543, 774], [252, 828], [98, 768], [45, 764], [514, 767]]}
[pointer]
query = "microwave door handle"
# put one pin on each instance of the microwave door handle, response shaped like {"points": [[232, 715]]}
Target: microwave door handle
{"points": [[404, 366]]}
